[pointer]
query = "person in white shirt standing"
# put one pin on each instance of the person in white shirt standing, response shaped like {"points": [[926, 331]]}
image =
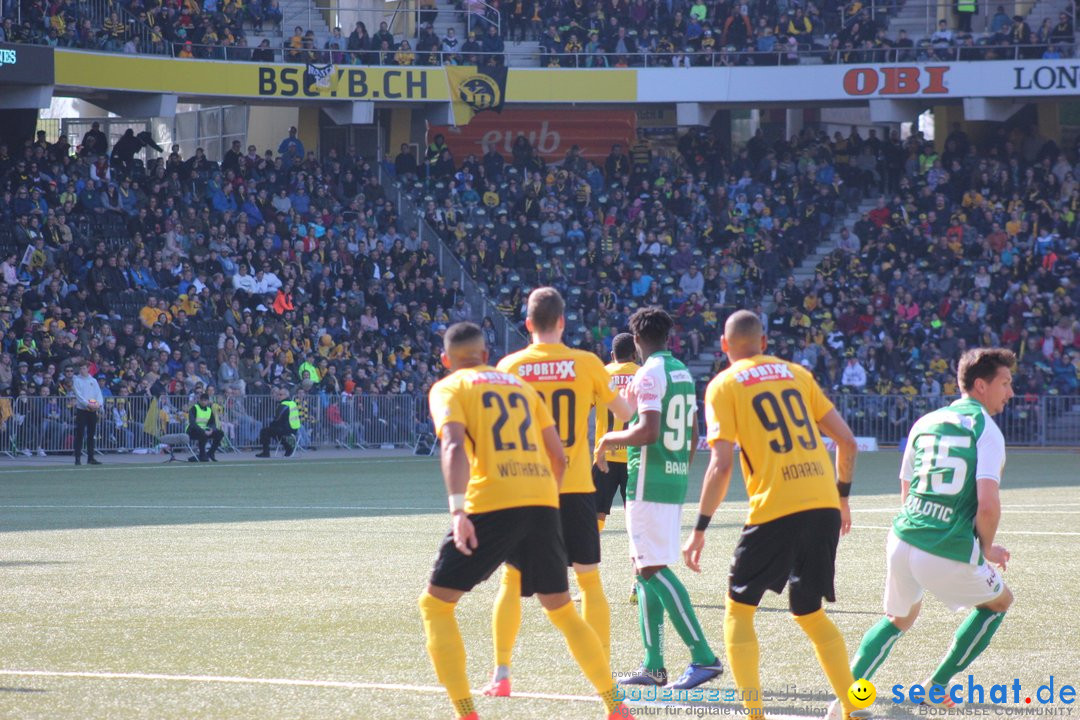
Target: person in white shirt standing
{"points": [[88, 402]]}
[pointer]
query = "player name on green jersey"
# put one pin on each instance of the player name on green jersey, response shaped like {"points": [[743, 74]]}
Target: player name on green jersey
{"points": [[948, 450], [658, 472]]}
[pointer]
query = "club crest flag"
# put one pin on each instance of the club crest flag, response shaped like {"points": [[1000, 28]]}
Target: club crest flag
{"points": [[474, 89], [319, 78]]}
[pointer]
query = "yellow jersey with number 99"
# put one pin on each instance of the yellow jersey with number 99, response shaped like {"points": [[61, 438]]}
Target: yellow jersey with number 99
{"points": [[571, 382], [770, 408], [504, 420], [621, 374]]}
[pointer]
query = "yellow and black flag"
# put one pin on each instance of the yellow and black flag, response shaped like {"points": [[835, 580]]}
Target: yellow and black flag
{"points": [[475, 89]]}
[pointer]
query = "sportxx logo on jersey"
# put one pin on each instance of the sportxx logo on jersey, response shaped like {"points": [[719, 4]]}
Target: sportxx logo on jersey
{"points": [[494, 378], [764, 373], [553, 371], [618, 381]]}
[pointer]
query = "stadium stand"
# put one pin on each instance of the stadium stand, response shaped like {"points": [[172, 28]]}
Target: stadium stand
{"points": [[186, 274], [580, 33], [977, 246]]}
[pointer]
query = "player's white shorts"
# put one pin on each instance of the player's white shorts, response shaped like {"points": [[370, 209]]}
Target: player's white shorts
{"points": [[912, 571], [654, 530]]}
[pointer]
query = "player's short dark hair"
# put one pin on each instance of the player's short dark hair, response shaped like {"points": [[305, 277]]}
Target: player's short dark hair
{"points": [[982, 364], [652, 325], [623, 347], [461, 333], [545, 308], [204, 396]]}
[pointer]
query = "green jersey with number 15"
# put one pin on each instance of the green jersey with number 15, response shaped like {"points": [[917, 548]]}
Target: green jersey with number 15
{"points": [[658, 472], [947, 451]]}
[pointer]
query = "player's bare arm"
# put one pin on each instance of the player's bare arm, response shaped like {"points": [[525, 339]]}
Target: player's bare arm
{"points": [[713, 491], [555, 452], [833, 425], [987, 518], [621, 409], [455, 470], [644, 432]]}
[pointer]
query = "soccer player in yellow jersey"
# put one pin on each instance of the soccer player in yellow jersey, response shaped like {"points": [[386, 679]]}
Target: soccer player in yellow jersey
{"points": [[621, 369], [775, 412], [571, 382], [502, 462]]}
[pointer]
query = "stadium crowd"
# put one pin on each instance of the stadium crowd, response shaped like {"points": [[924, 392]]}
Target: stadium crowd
{"points": [[977, 245], [184, 275], [579, 33], [267, 270]]}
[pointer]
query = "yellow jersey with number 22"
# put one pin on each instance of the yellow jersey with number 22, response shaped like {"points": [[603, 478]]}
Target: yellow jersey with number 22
{"points": [[504, 420]]}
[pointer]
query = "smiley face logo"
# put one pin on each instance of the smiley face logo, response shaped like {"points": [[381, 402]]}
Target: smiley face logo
{"points": [[862, 693]]}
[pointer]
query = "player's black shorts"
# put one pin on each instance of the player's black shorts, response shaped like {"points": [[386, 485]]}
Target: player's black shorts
{"points": [[582, 535], [529, 538], [798, 550], [607, 484]]}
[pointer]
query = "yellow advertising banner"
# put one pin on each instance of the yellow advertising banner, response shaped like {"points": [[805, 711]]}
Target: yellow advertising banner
{"points": [[252, 81], [248, 80]]}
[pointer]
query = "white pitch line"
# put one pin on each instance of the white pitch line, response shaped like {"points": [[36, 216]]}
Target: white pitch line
{"points": [[289, 682], [408, 508], [338, 684], [220, 507], [1000, 532]]}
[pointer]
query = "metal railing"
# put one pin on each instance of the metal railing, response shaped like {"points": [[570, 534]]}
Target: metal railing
{"points": [[1035, 420], [30, 425], [33, 424], [924, 52]]}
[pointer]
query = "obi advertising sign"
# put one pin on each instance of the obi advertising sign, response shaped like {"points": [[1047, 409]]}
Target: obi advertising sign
{"points": [[551, 133]]}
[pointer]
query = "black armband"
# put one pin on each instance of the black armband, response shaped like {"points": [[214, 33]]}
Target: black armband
{"points": [[702, 522], [844, 488]]}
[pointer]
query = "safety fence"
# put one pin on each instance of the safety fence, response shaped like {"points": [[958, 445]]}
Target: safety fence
{"points": [[37, 425], [31, 425], [1037, 420]]}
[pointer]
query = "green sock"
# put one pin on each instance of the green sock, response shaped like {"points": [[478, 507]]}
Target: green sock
{"points": [[876, 645], [651, 619], [676, 601], [972, 637]]}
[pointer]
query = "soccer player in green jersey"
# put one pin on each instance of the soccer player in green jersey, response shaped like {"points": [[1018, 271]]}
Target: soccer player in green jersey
{"points": [[943, 538], [661, 441]]}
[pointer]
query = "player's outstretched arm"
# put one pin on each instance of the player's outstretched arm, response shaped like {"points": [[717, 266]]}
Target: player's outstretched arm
{"points": [[555, 452], [621, 409], [455, 470], [846, 449], [987, 517], [644, 432], [713, 491]]}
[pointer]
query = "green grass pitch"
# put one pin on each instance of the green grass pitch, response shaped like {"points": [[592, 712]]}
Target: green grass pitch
{"points": [[296, 571]]}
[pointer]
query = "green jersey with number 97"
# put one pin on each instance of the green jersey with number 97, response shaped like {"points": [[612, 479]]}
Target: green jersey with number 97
{"points": [[658, 472], [947, 451]]}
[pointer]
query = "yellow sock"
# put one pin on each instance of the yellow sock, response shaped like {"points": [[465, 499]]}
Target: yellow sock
{"points": [[743, 652], [447, 650], [831, 653], [594, 607], [600, 523], [506, 617], [586, 649]]}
